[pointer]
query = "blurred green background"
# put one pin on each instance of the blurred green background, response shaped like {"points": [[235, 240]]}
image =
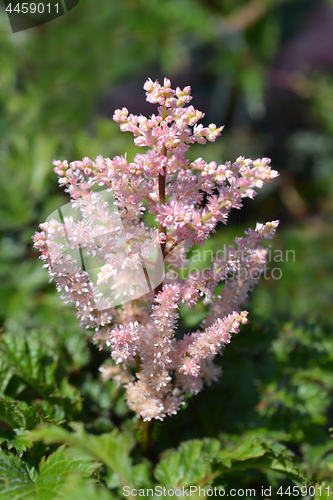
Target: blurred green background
{"points": [[264, 69]]}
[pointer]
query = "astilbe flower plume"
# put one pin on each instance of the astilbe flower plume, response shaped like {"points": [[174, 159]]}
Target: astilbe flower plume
{"points": [[155, 368]]}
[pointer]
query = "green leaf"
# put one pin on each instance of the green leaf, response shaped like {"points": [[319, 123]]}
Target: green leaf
{"points": [[186, 466], [37, 366], [6, 373], [30, 359], [12, 472], [256, 454], [16, 417], [111, 448], [17, 483], [201, 462], [61, 462], [323, 489], [74, 488], [19, 439]]}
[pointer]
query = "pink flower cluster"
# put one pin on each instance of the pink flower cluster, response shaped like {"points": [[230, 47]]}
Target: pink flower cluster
{"points": [[188, 200]]}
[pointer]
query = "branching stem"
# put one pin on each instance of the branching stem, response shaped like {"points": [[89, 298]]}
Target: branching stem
{"points": [[147, 434], [161, 195]]}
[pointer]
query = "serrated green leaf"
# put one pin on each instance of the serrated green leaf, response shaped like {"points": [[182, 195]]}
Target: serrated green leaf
{"points": [[19, 439], [6, 373], [16, 417], [188, 465], [141, 474], [323, 489], [32, 361], [111, 448], [74, 488], [16, 483], [256, 454], [251, 448], [200, 462], [61, 462], [12, 469]]}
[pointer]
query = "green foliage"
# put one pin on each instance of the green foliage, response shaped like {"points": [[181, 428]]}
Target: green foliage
{"points": [[254, 453], [201, 462], [112, 448], [195, 463], [16, 417], [33, 373], [42, 483], [187, 466], [18, 439], [74, 487]]}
